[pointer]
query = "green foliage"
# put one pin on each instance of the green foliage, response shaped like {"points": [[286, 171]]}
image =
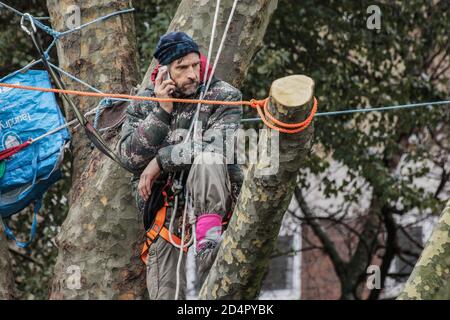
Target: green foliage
{"points": [[152, 20], [355, 67], [16, 49]]}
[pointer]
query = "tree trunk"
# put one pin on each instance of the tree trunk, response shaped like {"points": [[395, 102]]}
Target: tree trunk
{"points": [[103, 55], [251, 236], [96, 252], [7, 284], [100, 240], [430, 278]]}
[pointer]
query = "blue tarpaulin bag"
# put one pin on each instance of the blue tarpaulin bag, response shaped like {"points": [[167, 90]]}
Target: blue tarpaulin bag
{"points": [[24, 115]]}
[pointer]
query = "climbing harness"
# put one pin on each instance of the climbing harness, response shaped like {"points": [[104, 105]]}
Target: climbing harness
{"points": [[158, 228]]}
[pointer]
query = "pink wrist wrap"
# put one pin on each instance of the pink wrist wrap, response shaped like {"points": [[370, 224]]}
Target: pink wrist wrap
{"points": [[208, 228]]}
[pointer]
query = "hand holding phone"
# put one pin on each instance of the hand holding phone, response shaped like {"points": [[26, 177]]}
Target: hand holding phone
{"points": [[166, 74], [164, 87]]}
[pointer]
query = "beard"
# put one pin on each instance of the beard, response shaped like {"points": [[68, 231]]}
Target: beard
{"points": [[186, 89]]}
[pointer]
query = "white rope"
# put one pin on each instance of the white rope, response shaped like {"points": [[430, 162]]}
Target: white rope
{"points": [[205, 75], [222, 42], [219, 51], [202, 94], [68, 124], [172, 219], [191, 127], [180, 257]]}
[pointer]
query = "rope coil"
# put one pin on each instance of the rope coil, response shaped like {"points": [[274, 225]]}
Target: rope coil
{"points": [[262, 106]]}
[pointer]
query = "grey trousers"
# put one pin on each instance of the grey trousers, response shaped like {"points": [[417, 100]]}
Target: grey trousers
{"points": [[208, 184]]}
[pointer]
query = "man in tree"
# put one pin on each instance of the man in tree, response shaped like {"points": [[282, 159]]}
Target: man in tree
{"points": [[153, 145]]}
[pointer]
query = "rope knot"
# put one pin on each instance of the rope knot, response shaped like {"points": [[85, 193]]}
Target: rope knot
{"points": [[257, 103], [262, 106], [106, 103], [55, 34]]}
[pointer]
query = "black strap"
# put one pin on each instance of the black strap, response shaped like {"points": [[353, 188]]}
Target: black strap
{"points": [[153, 204]]}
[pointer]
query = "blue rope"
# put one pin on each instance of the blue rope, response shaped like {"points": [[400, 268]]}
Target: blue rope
{"points": [[57, 34], [96, 20], [52, 44], [17, 12], [67, 74], [104, 103], [395, 107], [36, 21], [28, 66]]}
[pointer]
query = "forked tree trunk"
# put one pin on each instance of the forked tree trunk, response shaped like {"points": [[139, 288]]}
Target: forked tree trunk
{"points": [[251, 236], [100, 241]]}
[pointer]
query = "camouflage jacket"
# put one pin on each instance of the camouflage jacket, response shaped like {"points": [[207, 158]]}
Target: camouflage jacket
{"points": [[149, 131]]}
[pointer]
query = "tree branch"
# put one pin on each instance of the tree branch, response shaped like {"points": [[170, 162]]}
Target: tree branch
{"points": [[329, 247]]}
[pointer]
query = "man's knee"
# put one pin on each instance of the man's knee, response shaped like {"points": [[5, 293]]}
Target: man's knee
{"points": [[208, 167], [209, 185]]}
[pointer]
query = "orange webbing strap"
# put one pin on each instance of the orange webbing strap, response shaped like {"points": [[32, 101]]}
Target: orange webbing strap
{"points": [[158, 229], [260, 105]]}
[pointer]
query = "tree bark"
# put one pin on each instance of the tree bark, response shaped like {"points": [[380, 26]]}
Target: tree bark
{"points": [[430, 278], [7, 283], [96, 252], [103, 55], [102, 235], [251, 236]]}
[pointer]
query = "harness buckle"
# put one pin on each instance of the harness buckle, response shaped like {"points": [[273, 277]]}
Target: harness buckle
{"points": [[156, 228], [176, 187]]}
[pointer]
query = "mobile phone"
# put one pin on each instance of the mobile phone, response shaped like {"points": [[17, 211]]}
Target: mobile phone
{"points": [[164, 68], [167, 76]]}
